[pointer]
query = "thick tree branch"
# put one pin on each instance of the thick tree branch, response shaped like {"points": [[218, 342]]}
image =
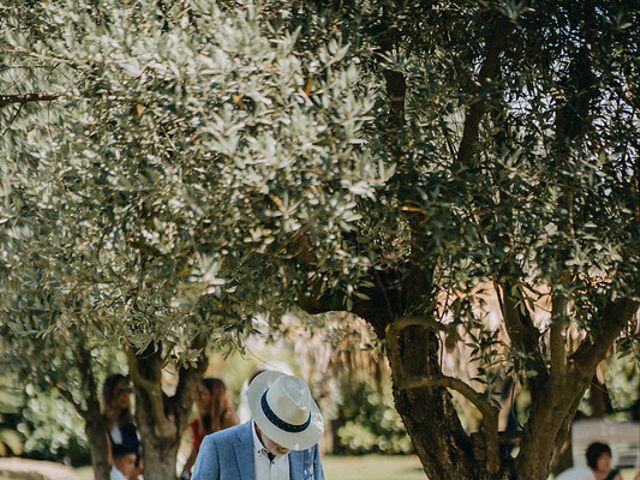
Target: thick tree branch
{"points": [[572, 123], [88, 382], [27, 98], [557, 347], [395, 81], [521, 330], [397, 90], [490, 414], [134, 371], [394, 329], [419, 321], [489, 71], [151, 388], [189, 377], [616, 315], [88, 379]]}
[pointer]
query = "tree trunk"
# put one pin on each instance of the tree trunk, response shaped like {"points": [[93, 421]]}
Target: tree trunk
{"points": [[564, 460], [335, 447], [600, 406], [422, 397], [159, 453], [429, 415], [97, 438], [547, 429], [162, 419], [447, 452]]}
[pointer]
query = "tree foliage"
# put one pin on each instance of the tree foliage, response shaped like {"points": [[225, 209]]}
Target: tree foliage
{"points": [[171, 170], [144, 189]]}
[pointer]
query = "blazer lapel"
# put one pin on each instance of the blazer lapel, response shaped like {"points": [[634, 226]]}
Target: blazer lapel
{"points": [[296, 465], [243, 449]]}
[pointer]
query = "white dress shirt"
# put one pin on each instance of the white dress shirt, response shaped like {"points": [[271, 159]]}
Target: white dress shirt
{"points": [[265, 469], [116, 474], [577, 473]]}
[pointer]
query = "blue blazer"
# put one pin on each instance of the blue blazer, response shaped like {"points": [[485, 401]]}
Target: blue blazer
{"points": [[228, 455]]}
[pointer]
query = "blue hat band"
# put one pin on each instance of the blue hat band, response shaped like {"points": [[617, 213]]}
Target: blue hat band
{"points": [[278, 422]]}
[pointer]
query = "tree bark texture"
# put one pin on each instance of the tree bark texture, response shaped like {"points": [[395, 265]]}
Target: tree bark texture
{"points": [[445, 449], [428, 413], [161, 418], [95, 429], [159, 452], [95, 425]]}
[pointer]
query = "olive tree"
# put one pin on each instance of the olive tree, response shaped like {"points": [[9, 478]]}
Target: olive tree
{"points": [[202, 163], [513, 128], [131, 169]]}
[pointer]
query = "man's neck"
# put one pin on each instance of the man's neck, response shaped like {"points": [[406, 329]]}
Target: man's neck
{"points": [[264, 444]]}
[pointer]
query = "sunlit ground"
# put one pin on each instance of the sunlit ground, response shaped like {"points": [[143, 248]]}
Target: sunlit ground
{"points": [[368, 467]]}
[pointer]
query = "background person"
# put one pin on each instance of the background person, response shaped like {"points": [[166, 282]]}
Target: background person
{"points": [[215, 413], [279, 443], [122, 431], [599, 465], [599, 461], [124, 463]]}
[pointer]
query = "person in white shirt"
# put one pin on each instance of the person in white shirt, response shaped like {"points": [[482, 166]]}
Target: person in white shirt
{"points": [[599, 465], [280, 442], [124, 462]]}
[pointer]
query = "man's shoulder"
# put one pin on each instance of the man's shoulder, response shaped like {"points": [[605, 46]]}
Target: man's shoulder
{"points": [[228, 434]]}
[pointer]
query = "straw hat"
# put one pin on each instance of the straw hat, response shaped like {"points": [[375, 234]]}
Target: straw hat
{"points": [[282, 407]]}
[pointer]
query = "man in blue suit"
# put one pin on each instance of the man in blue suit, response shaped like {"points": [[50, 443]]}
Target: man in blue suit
{"points": [[280, 442]]}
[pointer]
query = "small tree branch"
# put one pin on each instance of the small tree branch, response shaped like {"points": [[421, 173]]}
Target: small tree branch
{"points": [[519, 325], [15, 115], [489, 71], [69, 398], [490, 414]]}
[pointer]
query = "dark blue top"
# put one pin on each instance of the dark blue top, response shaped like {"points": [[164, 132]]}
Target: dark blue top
{"points": [[127, 436]]}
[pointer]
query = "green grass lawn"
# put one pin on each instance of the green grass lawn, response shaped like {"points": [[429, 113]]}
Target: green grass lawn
{"points": [[373, 467], [368, 467]]}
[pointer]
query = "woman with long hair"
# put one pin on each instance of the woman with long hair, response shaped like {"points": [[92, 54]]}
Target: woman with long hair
{"points": [[215, 413], [121, 429]]}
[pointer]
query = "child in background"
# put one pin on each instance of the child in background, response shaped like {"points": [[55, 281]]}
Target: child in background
{"points": [[124, 462]]}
